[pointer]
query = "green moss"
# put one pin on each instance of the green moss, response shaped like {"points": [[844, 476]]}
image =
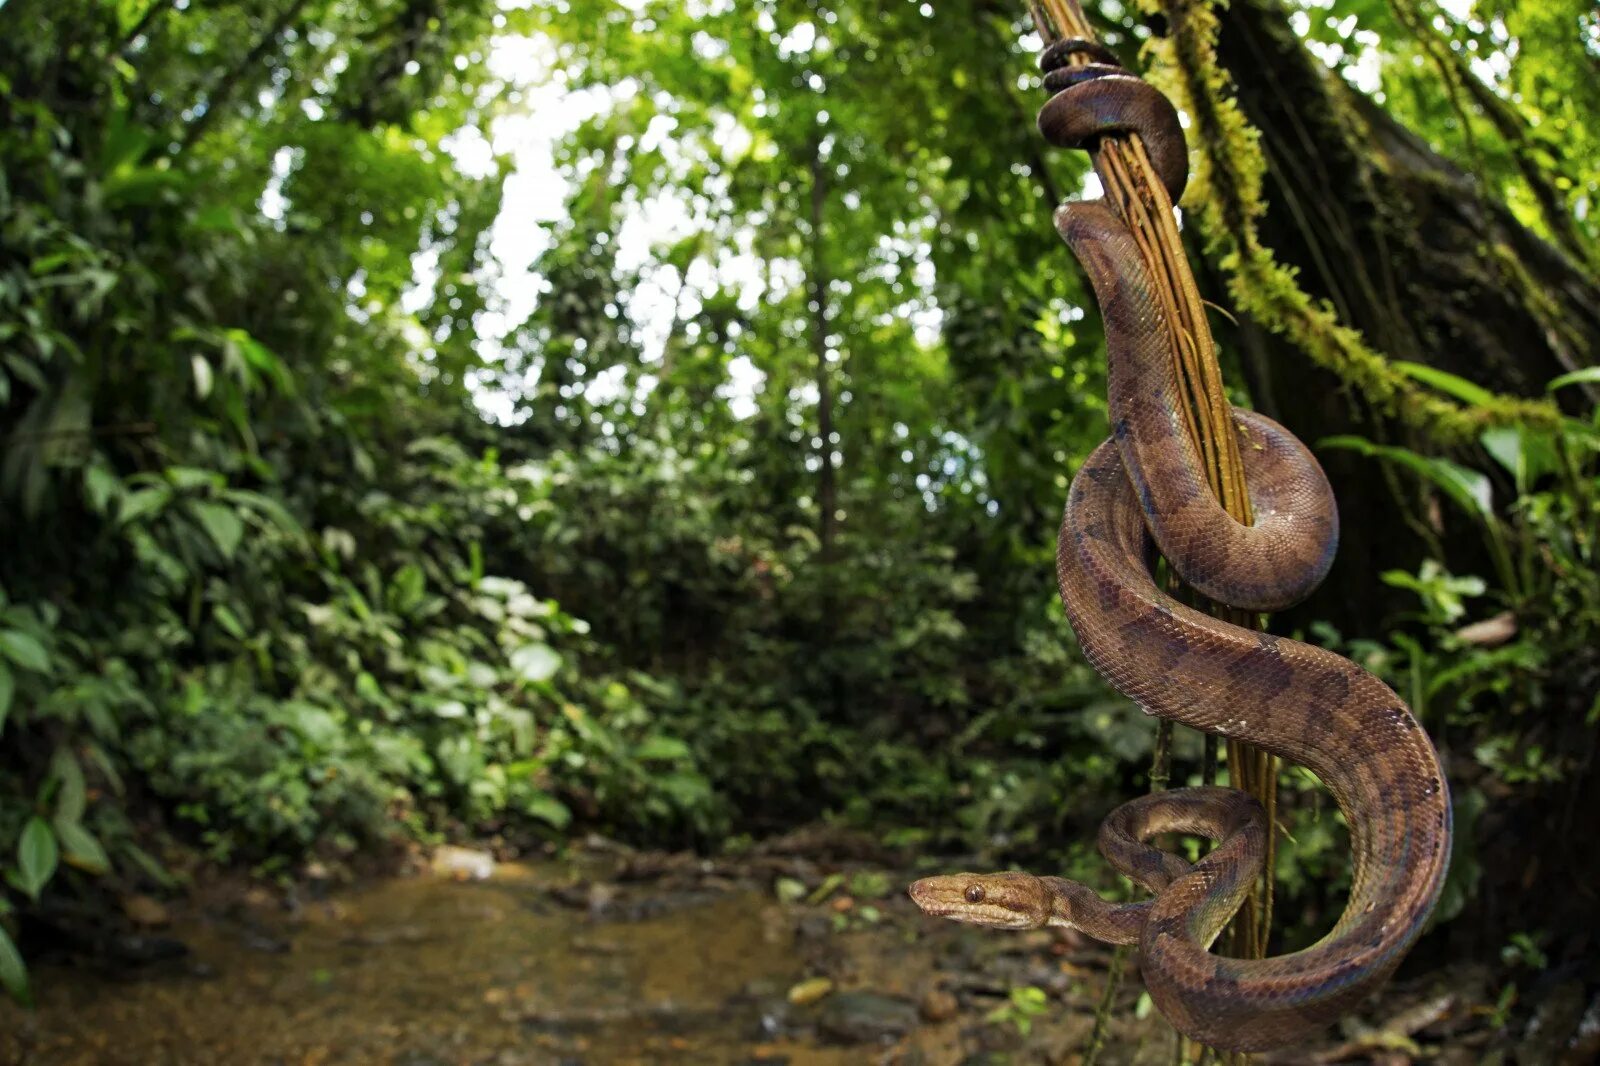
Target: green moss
{"points": [[1225, 198]]}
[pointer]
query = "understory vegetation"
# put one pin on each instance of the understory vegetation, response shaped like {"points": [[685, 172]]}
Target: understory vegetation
{"points": [[368, 481]]}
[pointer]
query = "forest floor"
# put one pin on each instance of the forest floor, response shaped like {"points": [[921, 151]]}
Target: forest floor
{"points": [[792, 954]]}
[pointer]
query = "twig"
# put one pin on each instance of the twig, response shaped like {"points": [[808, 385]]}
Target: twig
{"points": [[1102, 1012]]}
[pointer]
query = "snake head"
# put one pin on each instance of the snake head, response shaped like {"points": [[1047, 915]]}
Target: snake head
{"points": [[1003, 901]]}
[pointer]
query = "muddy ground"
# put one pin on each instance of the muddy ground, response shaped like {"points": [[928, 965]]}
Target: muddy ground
{"points": [[796, 953]]}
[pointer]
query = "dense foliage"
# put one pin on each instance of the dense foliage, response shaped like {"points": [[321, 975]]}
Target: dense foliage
{"points": [[760, 528]]}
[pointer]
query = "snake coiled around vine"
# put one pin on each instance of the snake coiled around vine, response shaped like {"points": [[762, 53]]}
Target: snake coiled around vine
{"points": [[1141, 492]]}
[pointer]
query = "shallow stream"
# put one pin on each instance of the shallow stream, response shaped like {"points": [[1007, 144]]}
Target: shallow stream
{"points": [[617, 958]]}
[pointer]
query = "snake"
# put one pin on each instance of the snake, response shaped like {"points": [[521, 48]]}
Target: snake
{"points": [[1142, 493]]}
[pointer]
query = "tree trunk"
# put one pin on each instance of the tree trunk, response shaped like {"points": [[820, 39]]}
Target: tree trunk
{"points": [[1413, 253]]}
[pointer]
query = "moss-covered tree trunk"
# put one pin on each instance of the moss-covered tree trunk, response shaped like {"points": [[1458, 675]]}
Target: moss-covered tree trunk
{"points": [[1410, 251]]}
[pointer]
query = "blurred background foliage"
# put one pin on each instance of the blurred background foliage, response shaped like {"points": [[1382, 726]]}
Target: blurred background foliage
{"points": [[329, 526]]}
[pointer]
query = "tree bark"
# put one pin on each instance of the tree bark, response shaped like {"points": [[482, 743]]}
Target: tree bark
{"points": [[1410, 251]]}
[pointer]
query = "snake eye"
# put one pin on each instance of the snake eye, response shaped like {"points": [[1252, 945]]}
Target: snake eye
{"points": [[975, 894]]}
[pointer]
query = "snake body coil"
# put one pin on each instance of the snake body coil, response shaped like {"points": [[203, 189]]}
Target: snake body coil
{"points": [[1141, 491]]}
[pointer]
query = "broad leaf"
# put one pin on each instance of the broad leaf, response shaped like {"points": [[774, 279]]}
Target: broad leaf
{"points": [[13, 972], [8, 688], [72, 798], [536, 662], [37, 856], [547, 808], [1577, 377], [25, 650], [1446, 382], [80, 848], [1469, 489], [661, 748], [222, 524]]}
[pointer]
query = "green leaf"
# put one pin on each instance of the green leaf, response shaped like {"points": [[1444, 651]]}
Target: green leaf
{"points": [[1469, 489], [662, 748], [37, 856], [100, 487], [261, 359], [217, 218], [536, 662], [547, 808], [229, 621], [268, 508], [1504, 445], [1526, 454], [25, 650], [194, 478], [1446, 382], [1577, 377], [72, 799], [81, 849], [13, 971], [8, 688], [222, 524], [138, 504], [147, 862], [408, 588]]}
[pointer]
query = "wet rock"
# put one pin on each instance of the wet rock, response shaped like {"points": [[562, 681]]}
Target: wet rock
{"points": [[606, 846], [761, 988], [772, 1018], [259, 898], [264, 942], [382, 938], [419, 1058], [463, 864], [1555, 1024], [145, 911], [595, 897], [1585, 1044], [133, 949], [865, 1018], [982, 984], [938, 1005], [814, 927], [829, 842], [659, 904], [652, 866], [605, 901]]}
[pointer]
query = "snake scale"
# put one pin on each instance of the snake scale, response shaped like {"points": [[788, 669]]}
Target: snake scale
{"points": [[1143, 491]]}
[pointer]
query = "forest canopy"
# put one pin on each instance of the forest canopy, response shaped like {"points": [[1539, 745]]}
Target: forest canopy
{"points": [[477, 420]]}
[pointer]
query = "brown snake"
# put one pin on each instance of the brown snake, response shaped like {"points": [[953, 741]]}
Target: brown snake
{"points": [[1144, 491]]}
